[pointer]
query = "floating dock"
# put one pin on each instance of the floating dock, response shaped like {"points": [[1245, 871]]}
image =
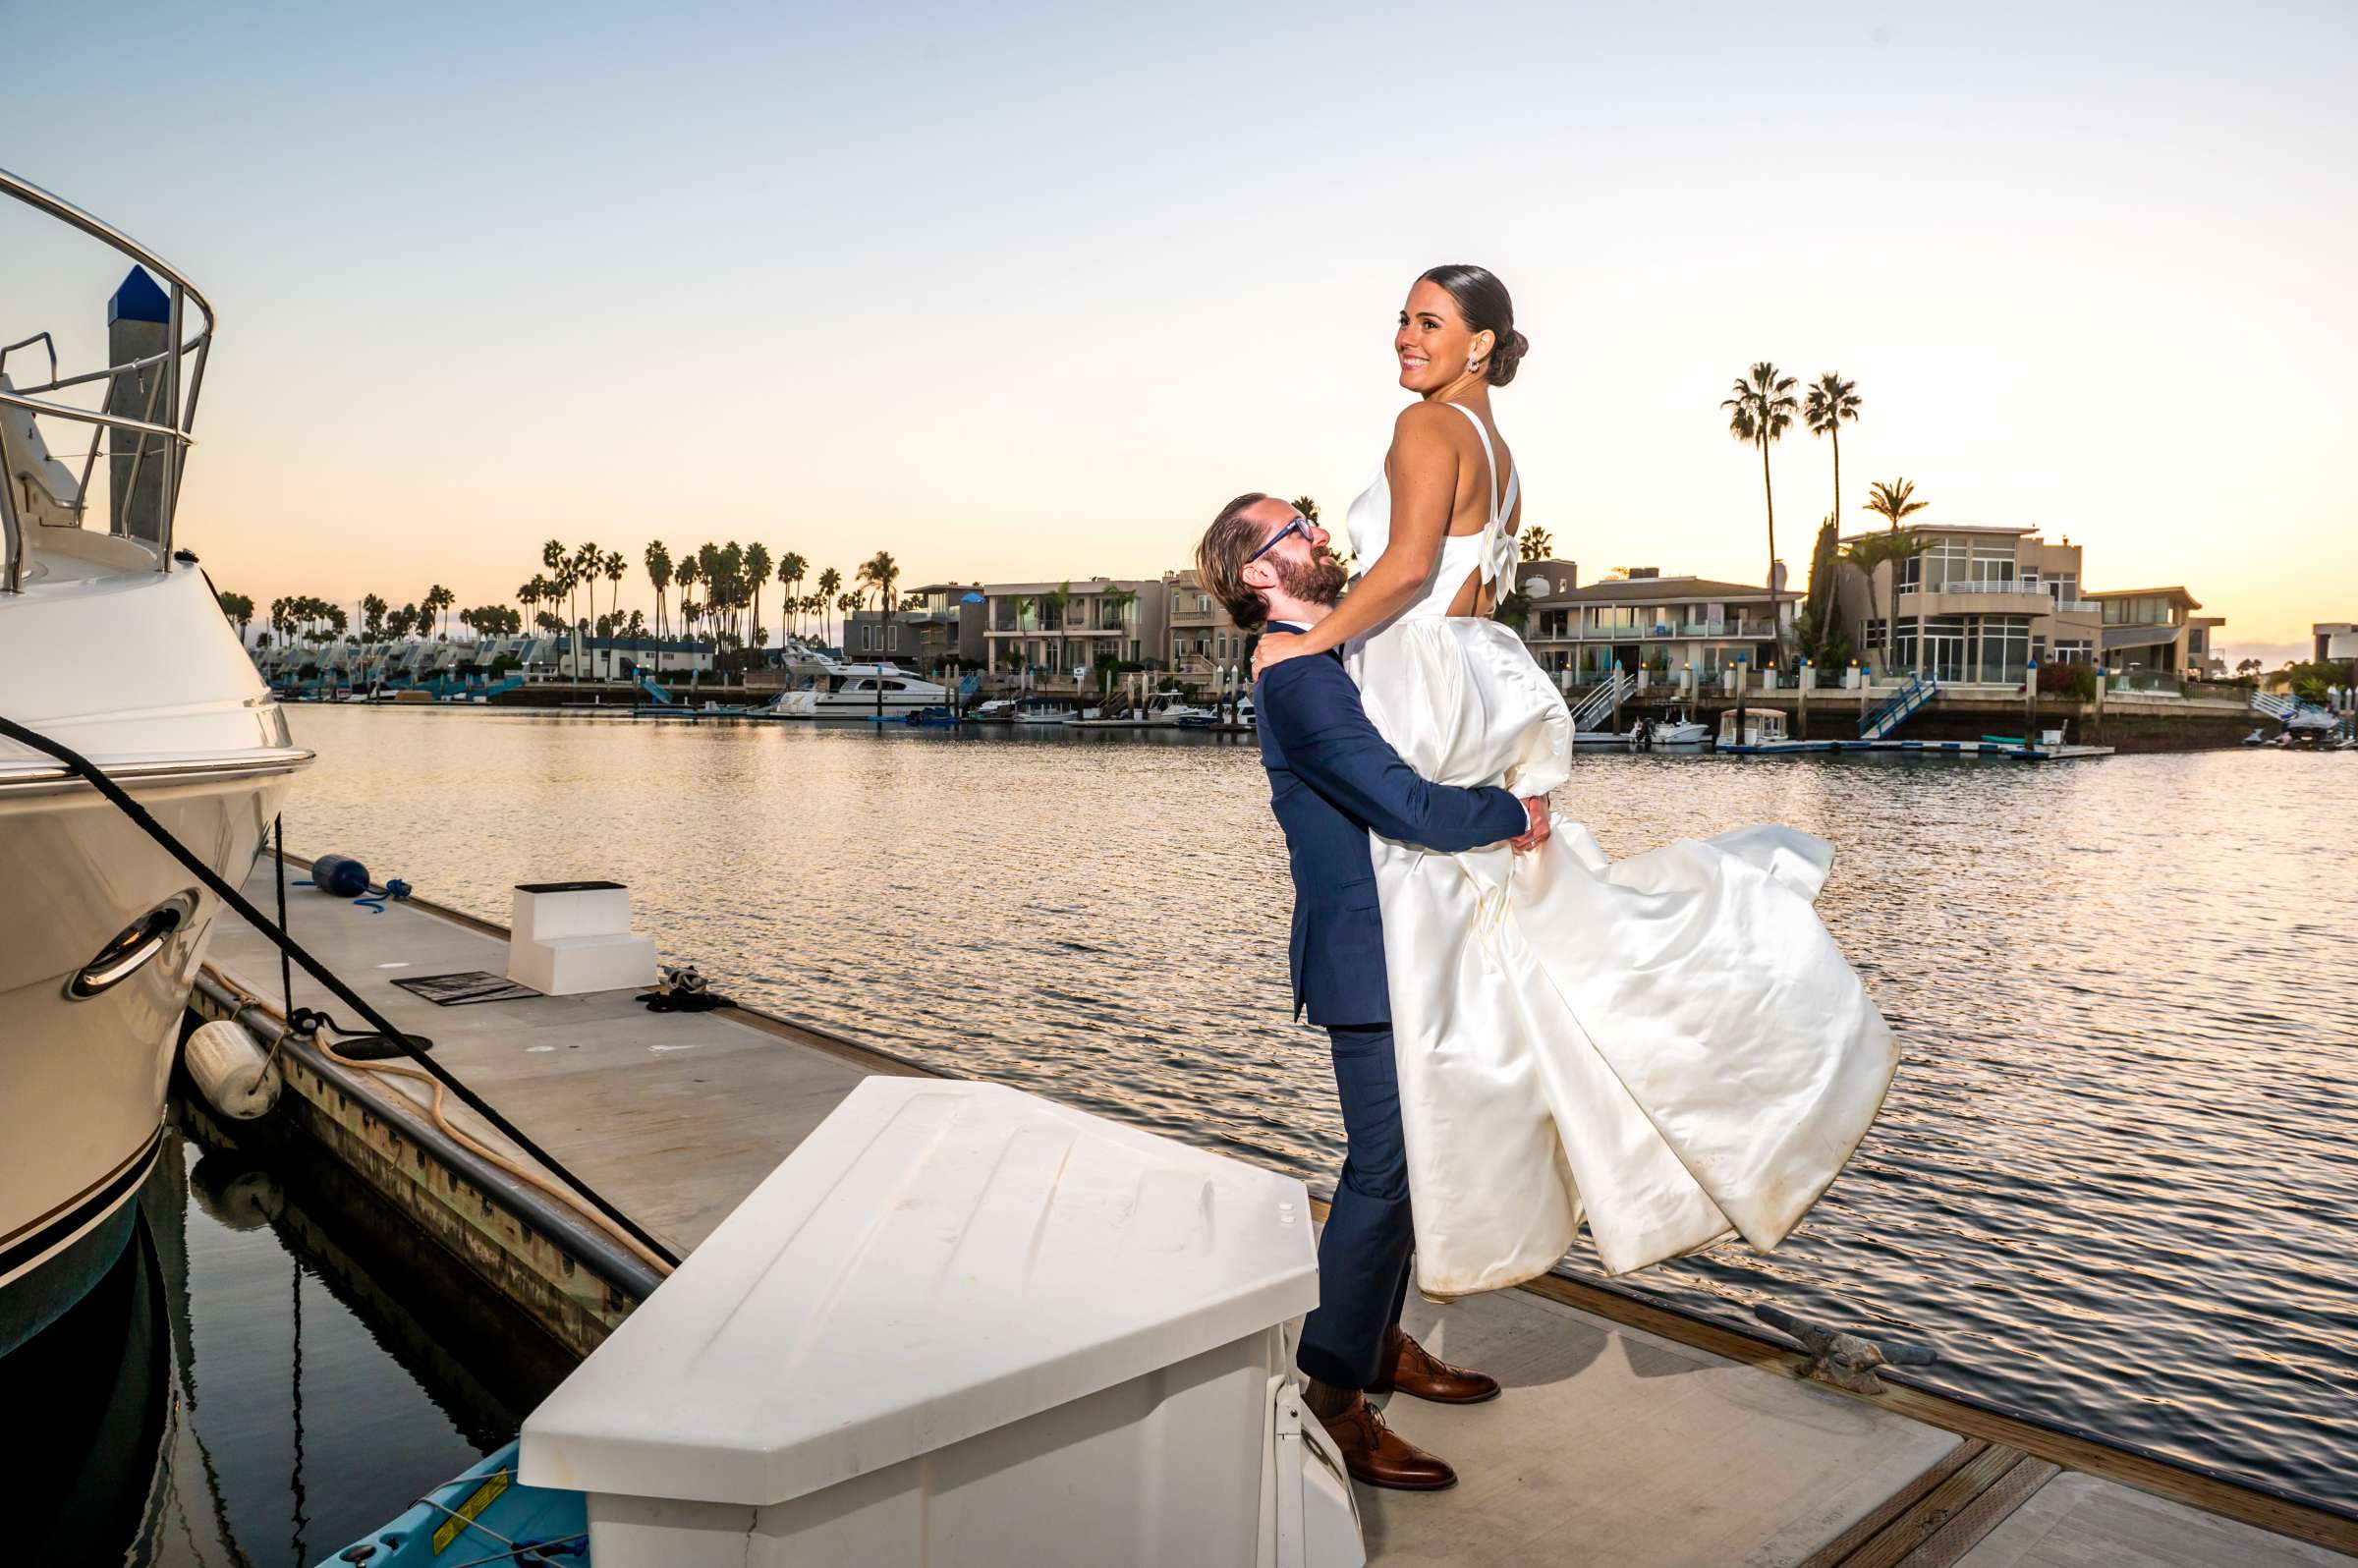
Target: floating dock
{"points": [[1627, 1434], [2018, 753]]}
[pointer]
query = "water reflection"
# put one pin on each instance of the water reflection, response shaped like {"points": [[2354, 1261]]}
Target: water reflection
{"points": [[255, 1383], [2115, 1183]]}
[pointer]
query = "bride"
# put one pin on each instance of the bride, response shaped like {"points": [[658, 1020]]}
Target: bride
{"points": [[1669, 1046]]}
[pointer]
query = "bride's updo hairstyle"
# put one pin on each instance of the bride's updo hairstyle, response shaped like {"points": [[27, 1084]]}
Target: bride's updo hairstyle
{"points": [[1481, 300]]}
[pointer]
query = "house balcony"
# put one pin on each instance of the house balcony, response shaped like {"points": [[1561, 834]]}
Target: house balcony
{"points": [[1974, 598], [1659, 632]]}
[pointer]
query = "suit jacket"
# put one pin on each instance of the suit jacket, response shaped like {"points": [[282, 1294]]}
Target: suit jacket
{"points": [[1332, 779]]}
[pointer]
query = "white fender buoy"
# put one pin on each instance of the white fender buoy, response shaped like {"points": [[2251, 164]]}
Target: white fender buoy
{"points": [[232, 1072]]}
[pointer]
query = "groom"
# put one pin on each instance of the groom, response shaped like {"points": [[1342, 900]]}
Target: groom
{"points": [[1332, 779]]}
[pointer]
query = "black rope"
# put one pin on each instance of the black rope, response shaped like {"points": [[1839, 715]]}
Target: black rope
{"points": [[286, 966], [319, 972]]}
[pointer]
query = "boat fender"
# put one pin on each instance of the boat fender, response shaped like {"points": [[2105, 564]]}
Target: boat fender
{"points": [[232, 1072], [340, 875]]}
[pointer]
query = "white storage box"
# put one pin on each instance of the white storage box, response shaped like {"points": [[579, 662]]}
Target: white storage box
{"points": [[565, 938], [964, 1325]]}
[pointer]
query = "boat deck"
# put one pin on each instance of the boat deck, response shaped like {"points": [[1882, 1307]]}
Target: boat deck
{"points": [[1625, 1437]]}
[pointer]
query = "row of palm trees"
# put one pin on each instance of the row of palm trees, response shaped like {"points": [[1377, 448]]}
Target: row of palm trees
{"points": [[1762, 408], [732, 576]]}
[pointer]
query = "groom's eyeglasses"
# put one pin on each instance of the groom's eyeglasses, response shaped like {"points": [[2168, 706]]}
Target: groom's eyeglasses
{"points": [[1299, 525]]}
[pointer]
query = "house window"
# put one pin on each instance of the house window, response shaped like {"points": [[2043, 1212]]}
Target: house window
{"points": [[1991, 563], [2004, 649]]}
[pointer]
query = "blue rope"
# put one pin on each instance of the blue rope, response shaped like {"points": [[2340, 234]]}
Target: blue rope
{"points": [[395, 889]]}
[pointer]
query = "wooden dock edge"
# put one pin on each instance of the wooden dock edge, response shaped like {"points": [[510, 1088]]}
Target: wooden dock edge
{"points": [[2177, 1480], [483, 1224], [575, 1284]]}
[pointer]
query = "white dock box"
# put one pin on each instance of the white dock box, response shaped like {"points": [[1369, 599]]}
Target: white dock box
{"points": [[964, 1325]]}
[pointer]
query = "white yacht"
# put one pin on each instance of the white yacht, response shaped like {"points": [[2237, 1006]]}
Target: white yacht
{"points": [[113, 646], [1173, 710], [1050, 710], [821, 687]]}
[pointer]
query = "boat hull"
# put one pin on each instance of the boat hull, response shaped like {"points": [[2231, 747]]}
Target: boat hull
{"points": [[85, 1065]]}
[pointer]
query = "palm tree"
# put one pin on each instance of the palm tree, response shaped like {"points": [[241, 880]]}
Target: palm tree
{"points": [[1829, 402], [240, 611], [757, 573], [614, 566], [684, 576], [1893, 502], [793, 567], [1056, 599], [1306, 507], [1761, 412], [1872, 551], [1537, 544], [880, 572], [659, 572], [373, 617], [830, 584]]}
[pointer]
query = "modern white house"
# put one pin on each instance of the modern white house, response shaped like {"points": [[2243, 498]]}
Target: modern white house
{"points": [[1976, 605]]}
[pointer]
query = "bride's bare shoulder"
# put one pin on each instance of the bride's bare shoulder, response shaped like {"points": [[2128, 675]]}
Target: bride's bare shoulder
{"points": [[1425, 430]]}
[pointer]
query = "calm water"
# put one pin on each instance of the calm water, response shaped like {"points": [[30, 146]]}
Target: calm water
{"points": [[263, 1376], [2117, 1182]]}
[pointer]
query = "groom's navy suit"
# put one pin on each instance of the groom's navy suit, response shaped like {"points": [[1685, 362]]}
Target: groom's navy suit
{"points": [[1332, 779]]}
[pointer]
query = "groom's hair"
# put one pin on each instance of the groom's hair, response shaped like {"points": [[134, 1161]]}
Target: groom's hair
{"points": [[1221, 561]]}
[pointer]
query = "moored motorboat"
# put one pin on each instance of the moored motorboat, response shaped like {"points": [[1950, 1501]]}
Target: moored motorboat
{"points": [[113, 646], [823, 687]]}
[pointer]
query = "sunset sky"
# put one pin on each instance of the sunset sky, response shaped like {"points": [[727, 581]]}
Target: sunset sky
{"points": [[1028, 293]]}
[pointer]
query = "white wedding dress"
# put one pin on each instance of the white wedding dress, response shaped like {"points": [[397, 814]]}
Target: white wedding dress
{"points": [[1671, 1046]]}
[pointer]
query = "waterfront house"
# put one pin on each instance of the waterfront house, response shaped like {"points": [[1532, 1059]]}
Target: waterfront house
{"points": [[2154, 630], [1648, 622], [1975, 605], [933, 623], [1203, 639], [2336, 639], [1052, 629]]}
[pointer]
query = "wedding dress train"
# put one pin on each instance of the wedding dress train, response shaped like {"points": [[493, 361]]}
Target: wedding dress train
{"points": [[1670, 1045]]}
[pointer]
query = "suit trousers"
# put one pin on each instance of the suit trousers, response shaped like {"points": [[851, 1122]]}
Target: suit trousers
{"points": [[1363, 1253]]}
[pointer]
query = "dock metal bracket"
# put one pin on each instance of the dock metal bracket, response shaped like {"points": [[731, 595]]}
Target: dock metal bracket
{"points": [[1841, 1358]]}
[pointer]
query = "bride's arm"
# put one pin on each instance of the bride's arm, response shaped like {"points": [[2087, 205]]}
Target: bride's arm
{"points": [[1423, 468]]}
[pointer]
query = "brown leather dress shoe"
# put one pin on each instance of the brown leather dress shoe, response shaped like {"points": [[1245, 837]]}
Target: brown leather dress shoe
{"points": [[1418, 1372], [1379, 1456]]}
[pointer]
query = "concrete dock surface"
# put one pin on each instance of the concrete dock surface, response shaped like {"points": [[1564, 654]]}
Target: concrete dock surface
{"points": [[1611, 1444]]}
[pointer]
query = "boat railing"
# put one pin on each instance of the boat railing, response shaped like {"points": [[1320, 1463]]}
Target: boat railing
{"points": [[166, 414]]}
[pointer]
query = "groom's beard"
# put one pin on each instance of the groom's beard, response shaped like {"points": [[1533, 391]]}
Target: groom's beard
{"points": [[1318, 582]]}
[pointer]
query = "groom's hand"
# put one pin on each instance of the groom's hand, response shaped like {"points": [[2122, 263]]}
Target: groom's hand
{"points": [[1535, 808]]}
